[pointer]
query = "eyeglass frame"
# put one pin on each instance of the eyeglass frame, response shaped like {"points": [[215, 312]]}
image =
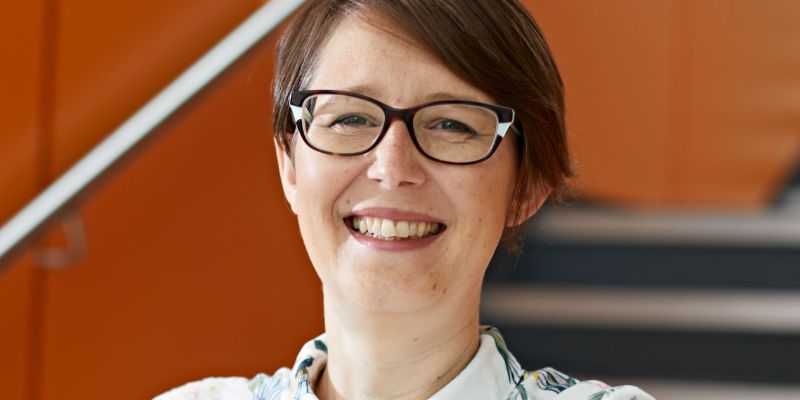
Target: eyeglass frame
{"points": [[505, 120]]}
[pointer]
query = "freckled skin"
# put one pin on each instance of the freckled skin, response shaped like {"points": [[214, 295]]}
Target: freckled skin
{"points": [[470, 199]]}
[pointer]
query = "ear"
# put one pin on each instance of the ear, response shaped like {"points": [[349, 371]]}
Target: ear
{"points": [[531, 206], [288, 176]]}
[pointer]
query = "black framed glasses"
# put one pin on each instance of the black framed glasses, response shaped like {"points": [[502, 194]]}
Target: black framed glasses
{"points": [[450, 131]]}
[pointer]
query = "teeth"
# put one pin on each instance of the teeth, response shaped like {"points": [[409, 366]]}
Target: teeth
{"points": [[387, 228], [422, 229], [393, 230], [402, 229]]}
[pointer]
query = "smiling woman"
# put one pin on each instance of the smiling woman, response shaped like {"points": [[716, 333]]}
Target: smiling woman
{"points": [[411, 137]]}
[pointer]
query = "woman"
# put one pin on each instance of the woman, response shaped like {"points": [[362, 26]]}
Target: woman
{"points": [[411, 137]]}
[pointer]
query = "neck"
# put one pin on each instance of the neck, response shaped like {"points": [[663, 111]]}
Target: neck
{"points": [[370, 351]]}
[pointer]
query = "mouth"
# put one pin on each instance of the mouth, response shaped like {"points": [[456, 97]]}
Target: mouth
{"points": [[393, 230]]}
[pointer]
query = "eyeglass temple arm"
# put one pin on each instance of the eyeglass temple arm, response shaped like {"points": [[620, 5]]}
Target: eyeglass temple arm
{"points": [[517, 128], [502, 128]]}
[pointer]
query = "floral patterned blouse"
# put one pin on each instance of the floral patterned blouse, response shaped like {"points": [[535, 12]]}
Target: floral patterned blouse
{"points": [[493, 373]]}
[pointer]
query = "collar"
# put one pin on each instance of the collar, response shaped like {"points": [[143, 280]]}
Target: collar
{"points": [[492, 373]]}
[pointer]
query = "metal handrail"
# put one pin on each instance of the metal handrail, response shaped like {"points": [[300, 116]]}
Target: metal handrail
{"points": [[119, 142]]}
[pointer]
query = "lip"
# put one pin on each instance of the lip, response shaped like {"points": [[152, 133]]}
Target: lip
{"points": [[396, 215]]}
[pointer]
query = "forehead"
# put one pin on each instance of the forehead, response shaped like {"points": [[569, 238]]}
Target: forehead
{"points": [[380, 61]]}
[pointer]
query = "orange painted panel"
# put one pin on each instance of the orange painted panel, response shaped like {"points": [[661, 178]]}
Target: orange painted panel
{"points": [[744, 116], [614, 57], [195, 265], [113, 56], [20, 39], [679, 103], [16, 319]]}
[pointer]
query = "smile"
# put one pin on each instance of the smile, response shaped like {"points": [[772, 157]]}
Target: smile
{"points": [[387, 229]]}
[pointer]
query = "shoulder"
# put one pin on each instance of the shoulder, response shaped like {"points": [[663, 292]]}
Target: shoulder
{"points": [[596, 390], [550, 384], [261, 387]]}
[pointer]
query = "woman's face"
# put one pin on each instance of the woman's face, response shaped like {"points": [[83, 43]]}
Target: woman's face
{"points": [[395, 181]]}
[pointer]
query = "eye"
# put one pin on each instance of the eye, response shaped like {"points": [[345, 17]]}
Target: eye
{"points": [[453, 126], [353, 120]]}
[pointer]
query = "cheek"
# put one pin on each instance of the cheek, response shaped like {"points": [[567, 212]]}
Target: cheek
{"points": [[480, 219], [480, 196], [483, 195], [321, 181], [327, 188]]}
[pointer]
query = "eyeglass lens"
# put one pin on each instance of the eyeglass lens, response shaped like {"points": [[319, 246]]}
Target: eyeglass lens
{"points": [[345, 124]]}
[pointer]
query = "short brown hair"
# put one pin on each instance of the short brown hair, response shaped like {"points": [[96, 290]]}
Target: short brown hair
{"points": [[495, 46]]}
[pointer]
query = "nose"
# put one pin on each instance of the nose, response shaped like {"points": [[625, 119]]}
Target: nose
{"points": [[396, 161]]}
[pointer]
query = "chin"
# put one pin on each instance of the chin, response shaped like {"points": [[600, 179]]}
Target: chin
{"points": [[391, 297]]}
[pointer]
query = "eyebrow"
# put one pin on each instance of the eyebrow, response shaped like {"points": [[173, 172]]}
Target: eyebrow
{"points": [[371, 91], [366, 90], [451, 96]]}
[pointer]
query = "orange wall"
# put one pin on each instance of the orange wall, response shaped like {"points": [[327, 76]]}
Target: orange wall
{"points": [[20, 34], [194, 265], [16, 316], [113, 56], [20, 74], [679, 103]]}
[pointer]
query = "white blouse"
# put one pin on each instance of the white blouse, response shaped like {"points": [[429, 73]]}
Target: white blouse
{"points": [[492, 374]]}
